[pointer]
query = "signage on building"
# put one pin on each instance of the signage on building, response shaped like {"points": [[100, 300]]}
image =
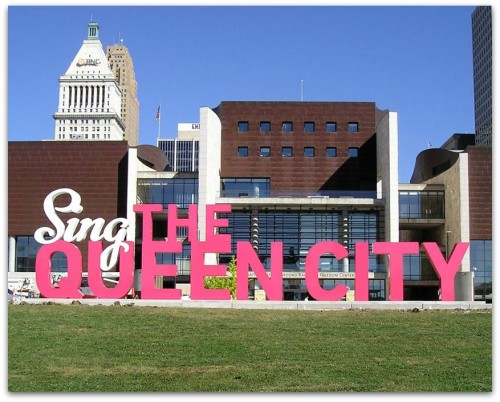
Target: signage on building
{"points": [[59, 238], [321, 275], [88, 62]]}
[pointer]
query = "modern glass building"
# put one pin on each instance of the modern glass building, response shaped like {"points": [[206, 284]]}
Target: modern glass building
{"points": [[284, 184], [252, 156], [297, 200], [297, 173]]}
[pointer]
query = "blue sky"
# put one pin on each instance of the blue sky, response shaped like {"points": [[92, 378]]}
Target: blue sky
{"points": [[416, 61]]}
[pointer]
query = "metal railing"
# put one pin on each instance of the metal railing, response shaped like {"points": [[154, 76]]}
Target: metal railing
{"points": [[300, 194]]}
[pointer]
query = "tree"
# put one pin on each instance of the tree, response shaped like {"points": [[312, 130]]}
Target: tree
{"points": [[224, 282]]}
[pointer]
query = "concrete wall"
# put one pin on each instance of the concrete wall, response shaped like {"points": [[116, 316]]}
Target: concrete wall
{"points": [[133, 167], [456, 187], [387, 172], [209, 165], [388, 176]]}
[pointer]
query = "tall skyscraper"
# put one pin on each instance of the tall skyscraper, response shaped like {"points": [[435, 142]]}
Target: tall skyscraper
{"points": [[482, 58], [89, 96], [121, 65]]}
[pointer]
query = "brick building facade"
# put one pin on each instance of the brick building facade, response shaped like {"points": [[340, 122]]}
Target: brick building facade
{"points": [[97, 171], [300, 146]]}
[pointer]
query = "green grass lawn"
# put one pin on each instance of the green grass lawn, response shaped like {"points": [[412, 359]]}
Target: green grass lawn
{"points": [[98, 348]]}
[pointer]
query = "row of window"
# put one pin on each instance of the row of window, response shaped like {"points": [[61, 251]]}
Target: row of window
{"points": [[421, 204], [88, 76], [82, 129], [181, 192], [309, 126], [83, 121], [309, 152], [84, 136], [86, 110]]}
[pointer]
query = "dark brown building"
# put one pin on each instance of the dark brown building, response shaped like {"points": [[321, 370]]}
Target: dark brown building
{"points": [[300, 146], [96, 170], [480, 192], [304, 172]]}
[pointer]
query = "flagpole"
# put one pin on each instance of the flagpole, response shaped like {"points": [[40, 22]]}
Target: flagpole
{"points": [[159, 123]]}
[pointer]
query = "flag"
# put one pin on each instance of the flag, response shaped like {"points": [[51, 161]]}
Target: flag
{"points": [[158, 114]]}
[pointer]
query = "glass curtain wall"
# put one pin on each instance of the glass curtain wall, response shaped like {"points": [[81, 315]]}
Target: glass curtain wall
{"points": [[365, 227], [182, 191], [300, 230], [26, 250], [481, 262], [421, 204], [418, 268], [241, 187]]}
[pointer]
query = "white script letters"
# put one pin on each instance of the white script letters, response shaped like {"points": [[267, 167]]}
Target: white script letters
{"points": [[70, 232]]}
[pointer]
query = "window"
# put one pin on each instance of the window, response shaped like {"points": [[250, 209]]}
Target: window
{"points": [[481, 263], [181, 192], [265, 152], [331, 152], [331, 127], [243, 126], [353, 127], [352, 152], [309, 126], [287, 152], [245, 187], [364, 227], [26, 251], [265, 126], [309, 152], [421, 204], [287, 126], [243, 151]]}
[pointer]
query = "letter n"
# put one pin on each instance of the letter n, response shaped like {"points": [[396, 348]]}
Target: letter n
{"points": [[246, 258]]}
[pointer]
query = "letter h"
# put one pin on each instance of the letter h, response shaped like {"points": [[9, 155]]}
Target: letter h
{"points": [[174, 222]]}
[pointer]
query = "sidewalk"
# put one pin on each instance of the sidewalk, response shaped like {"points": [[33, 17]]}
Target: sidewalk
{"points": [[272, 305]]}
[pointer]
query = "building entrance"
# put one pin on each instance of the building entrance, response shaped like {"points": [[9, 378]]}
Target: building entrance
{"points": [[421, 292], [295, 295]]}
